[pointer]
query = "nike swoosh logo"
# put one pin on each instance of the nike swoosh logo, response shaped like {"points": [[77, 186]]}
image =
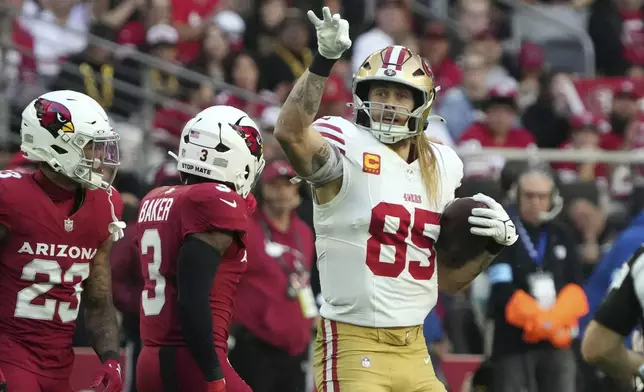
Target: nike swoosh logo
{"points": [[428, 360], [233, 203]]}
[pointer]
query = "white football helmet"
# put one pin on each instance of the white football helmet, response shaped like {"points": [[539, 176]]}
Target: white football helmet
{"points": [[60, 127], [222, 143]]}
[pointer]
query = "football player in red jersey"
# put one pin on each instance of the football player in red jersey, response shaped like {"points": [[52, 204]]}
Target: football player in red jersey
{"points": [[191, 239], [56, 229]]}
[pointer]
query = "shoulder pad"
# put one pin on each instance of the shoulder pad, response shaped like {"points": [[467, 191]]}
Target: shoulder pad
{"points": [[211, 206], [337, 131], [10, 182]]}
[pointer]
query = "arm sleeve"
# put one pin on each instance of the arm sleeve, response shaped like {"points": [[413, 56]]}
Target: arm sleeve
{"points": [[502, 286], [333, 168], [209, 208], [196, 270], [622, 307]]}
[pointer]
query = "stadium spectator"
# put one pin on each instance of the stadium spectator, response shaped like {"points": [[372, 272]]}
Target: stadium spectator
{"points": [[547, 118], [242, 71], [585, 134], [162, 42], [497, 130], [488, 45], [233, 26], [263, 26], [291, 55], [531, 66], [593, 230], [392, 25], [169, 119], [58, 28], [119, 15], [434, 48], [632, 32], [275, 306], [192, 18], [535, 297], [94, 71], [624, 109], [461, 106], [215, 47], [474, 19]]}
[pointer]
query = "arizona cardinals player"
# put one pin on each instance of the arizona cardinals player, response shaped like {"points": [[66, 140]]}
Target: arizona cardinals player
{"points": [[377, 181], [56, 229], [191, 239]]}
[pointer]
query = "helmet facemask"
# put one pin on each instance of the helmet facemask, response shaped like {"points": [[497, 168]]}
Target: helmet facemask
{"points": [[384, 127], [100, 160]]}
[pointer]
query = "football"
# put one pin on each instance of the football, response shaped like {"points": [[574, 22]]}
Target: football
{"points": [[456, 245]]}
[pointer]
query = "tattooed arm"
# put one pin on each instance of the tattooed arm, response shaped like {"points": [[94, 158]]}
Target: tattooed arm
{"points": [[305, 148], [454, 280], [100, 314]]}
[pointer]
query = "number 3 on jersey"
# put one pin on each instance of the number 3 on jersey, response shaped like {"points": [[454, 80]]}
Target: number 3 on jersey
{"points": [[398, 240], [152, 300]]}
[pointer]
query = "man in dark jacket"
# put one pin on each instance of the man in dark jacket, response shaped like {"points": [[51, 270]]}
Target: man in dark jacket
{"points": [[535, 299]]}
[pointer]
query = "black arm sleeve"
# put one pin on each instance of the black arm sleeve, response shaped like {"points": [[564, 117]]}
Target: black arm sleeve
{"points": [[198, 263], [620, 310]]}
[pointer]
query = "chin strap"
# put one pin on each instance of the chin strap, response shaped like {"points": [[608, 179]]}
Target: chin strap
{"points": [[115, 227]]}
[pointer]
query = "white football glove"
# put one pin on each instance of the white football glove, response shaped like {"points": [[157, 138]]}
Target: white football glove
{"points": [[492, 222], [332, 33]]}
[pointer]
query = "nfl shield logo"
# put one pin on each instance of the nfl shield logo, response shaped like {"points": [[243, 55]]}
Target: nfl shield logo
{"points": [[69, 225]]}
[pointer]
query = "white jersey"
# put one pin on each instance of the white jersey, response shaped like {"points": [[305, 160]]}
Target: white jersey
{"points": [[375, 238]]}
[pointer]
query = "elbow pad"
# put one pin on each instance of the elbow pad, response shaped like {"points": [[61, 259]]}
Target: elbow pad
{"points": [[331, 170]]}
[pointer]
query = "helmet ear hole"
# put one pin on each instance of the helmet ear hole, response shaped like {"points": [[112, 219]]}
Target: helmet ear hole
{"points": [[59, 150], [222, 147], [246, 172]]}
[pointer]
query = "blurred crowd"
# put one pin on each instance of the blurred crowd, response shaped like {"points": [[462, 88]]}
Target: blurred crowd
{"points": [[566, 74]]}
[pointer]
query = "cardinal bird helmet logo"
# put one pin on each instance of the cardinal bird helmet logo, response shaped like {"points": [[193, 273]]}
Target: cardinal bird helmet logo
{"points": [[53, 116], [252, 137]]}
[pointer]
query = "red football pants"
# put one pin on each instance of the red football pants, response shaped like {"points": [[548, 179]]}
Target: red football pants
{"points": [[172, 369], [21, 380]]}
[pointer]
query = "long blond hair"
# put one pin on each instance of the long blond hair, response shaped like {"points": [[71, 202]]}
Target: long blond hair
{"points": [[429, 169]]}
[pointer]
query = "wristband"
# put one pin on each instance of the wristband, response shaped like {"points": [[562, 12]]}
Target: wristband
{"points": [[322, 66]]}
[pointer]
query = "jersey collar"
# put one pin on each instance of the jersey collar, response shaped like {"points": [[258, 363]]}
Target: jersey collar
{"points": [[55, 192]]}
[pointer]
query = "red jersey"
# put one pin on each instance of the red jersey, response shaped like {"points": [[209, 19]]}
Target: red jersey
{"points": [[568, 170], [43, 262], [478, 135], [167, 215], [192, 13]]}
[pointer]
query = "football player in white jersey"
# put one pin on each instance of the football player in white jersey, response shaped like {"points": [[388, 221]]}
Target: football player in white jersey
{"points": [[380, 186]]}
